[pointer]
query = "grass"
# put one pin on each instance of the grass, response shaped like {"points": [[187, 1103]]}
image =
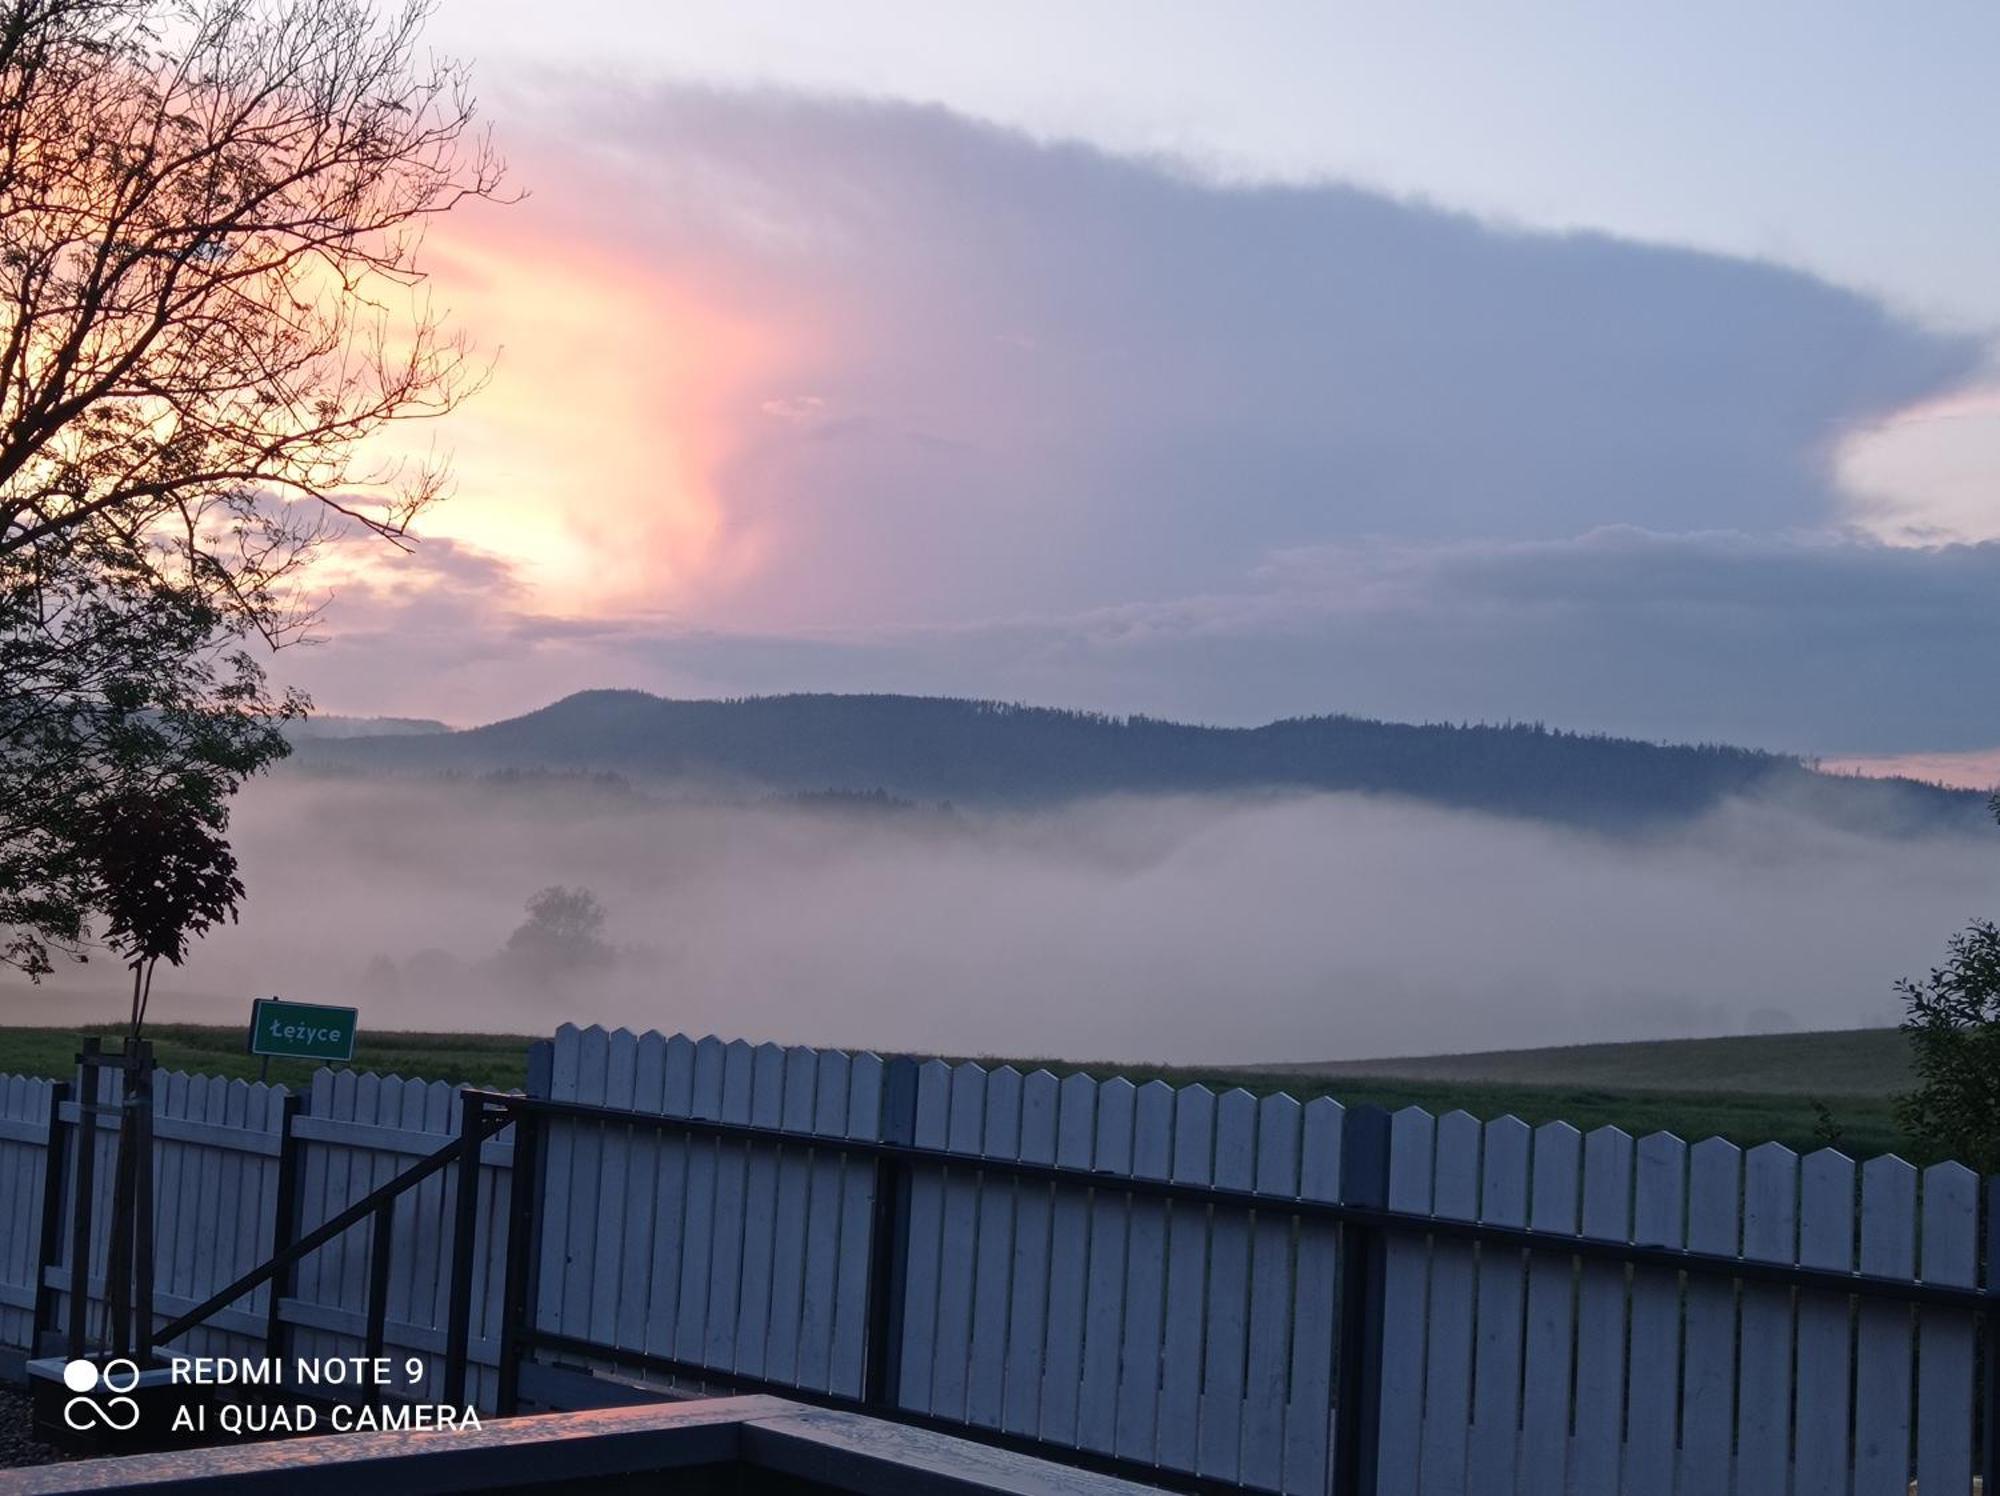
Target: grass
{"points": [[477, 1059], [1749, 1090]]}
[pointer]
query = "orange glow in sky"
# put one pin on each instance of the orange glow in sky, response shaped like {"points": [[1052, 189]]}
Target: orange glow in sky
{"points": [[589, 461]]}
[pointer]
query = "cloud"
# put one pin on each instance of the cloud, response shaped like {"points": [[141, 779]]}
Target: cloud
{"points": [[1834, 643], [811, 394]]}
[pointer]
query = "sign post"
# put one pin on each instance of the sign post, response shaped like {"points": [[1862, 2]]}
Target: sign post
{"points": [[300, 1031]]}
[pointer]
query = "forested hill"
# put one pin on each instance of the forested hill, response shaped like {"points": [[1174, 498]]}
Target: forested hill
{"points": [[935, 748]]}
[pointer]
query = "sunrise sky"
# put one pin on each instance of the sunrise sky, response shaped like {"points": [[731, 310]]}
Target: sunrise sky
{"points": [[1629, 371]]}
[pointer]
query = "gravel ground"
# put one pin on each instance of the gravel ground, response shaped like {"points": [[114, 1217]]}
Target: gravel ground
{"points": [[17, 1445]]}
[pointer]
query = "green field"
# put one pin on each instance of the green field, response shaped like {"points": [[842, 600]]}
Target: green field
{"points": [[1750, 1090]]}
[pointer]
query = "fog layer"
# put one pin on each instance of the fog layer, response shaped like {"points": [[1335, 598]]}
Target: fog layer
{"points": [[1179, 929]]}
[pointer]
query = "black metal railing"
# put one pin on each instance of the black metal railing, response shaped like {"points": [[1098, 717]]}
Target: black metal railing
{"points": [[479, 1119]]}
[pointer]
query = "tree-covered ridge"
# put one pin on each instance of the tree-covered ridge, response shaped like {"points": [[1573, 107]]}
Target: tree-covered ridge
{"points": [[943, 748]]}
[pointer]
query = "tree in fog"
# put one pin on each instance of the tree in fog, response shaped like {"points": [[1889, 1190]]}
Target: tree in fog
{"points": [[562, 935], [1953, 1025], [210, 300]]}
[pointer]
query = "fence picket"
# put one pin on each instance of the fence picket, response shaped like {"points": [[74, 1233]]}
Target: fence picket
{"points": [[1493, 1446], [1770, 1234], [1826, 1239], [672, 1198], [1883, 1337], [986, 1372], [1104, 1296], [847, 1361], [1315, 1307], [1944, 1348], [1548, 1351], [958, 1244], [926, 1235], [1219, 1446], [824, 1242], [1267, 1367], [1708, 1394], [1405, 1288], [635, 1256], [791, 1205], [1069, 1232], [1653, 1398], [698, 1220], [1448, 1353], [1028, 1316], [1600, 1314], [1145, 1281], [1187, 1273], [614, 1189], [760, 1202]]}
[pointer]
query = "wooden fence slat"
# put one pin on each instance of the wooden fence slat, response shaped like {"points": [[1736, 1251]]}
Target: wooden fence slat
{"points": [[1826, 1240], [725, 1256], [1884, 1332], [1069, 1231], [1493, 1447], [699, 1210], [1219, 1445], [958, 1244], [1654, 1388], [1708, 1393], [1764, 1401], [1104, 1294], [926, 1235], [1187, 1275], [671, 1208], [790, 1217], [558, 1176], [1547, 1354], [1448, 1352], [857, 1185], [760, 1207], [1950, 1250], [818, 1280], [994, 1257], [1405, 1289], [1268, 1366], [635, 1253], [1316, 1304], [1028, 1314], [614, 1190], [1600, 1314], [1146, 1272]]}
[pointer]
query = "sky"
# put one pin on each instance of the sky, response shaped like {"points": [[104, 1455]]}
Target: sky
{"points": [[1626, 371]]}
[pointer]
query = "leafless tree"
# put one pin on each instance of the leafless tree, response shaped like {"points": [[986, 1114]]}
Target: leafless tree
{"points": [[210, 301], [210, 213]]}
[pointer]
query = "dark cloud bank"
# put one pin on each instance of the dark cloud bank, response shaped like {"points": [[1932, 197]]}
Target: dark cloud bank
{"points": [[1077, 429]]}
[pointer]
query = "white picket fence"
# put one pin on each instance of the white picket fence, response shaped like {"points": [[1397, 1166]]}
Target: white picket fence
{"points": [[1202, 1339], [1195, 1337], [216, 1148]]}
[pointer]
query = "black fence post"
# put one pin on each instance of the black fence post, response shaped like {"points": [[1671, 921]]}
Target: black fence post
{"points": [[89, 1086], [1364, 1182], [55, 1162], [465, 1225], [517, 1318], [284, 1223], [381, 1240], [889, 1239]]}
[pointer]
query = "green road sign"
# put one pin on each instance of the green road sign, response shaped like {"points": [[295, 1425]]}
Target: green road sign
{"points": [[301, 1031]]}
